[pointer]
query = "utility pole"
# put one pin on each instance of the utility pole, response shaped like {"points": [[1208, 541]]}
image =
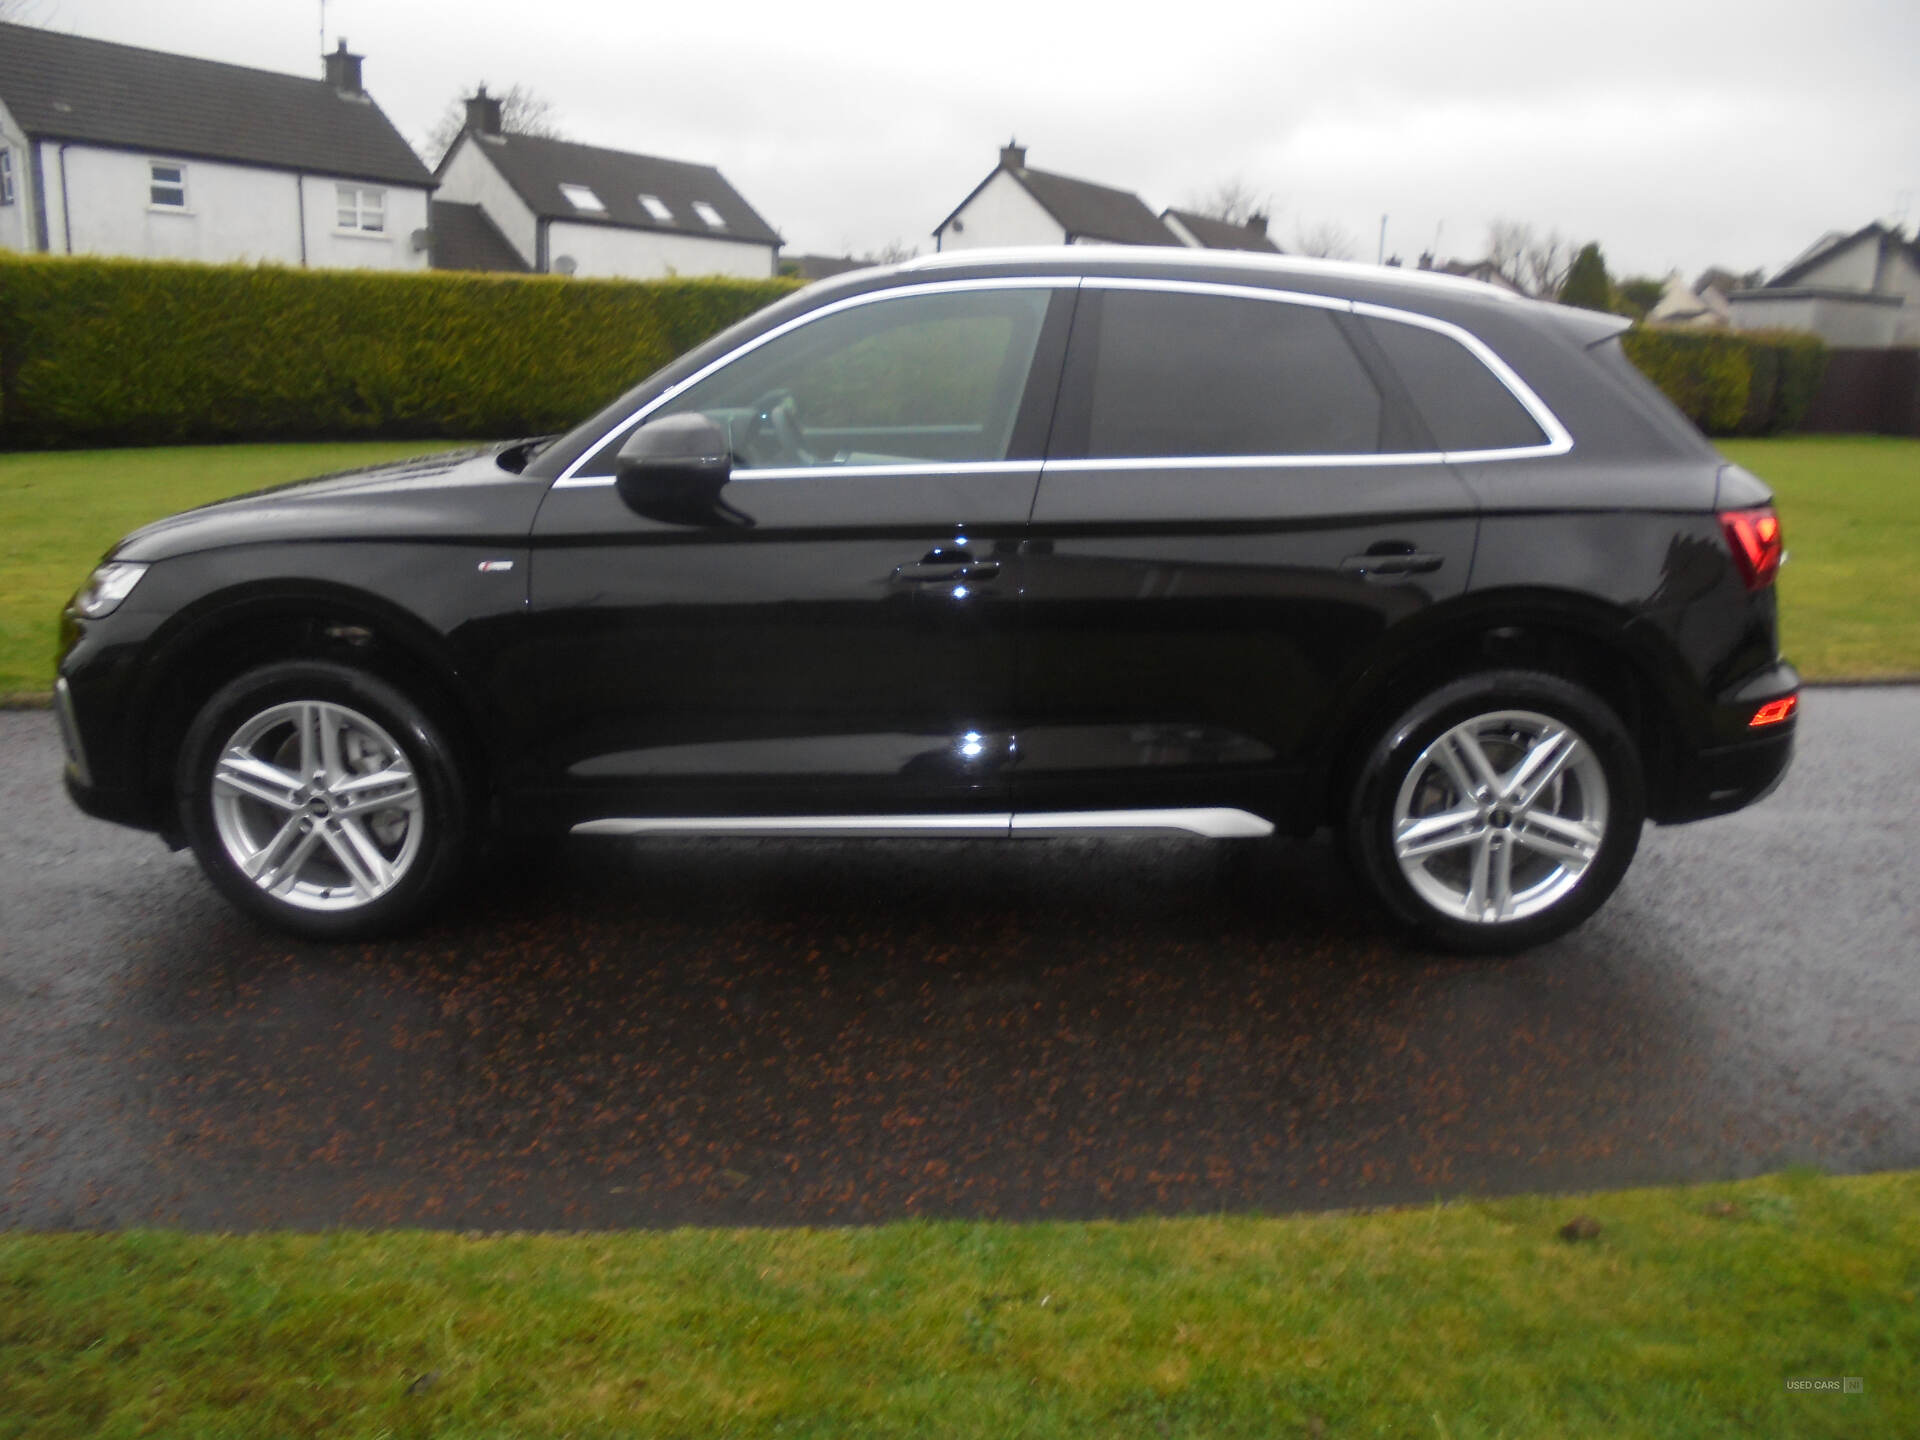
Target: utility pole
{"points": [[1381, 258], [323, 27]]}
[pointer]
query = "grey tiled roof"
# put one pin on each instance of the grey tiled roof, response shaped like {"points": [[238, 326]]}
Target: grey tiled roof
{"points": [[68, 87], [1834, 244], [1095, 212], [464, 238], [1224, 235], [537, 169]]}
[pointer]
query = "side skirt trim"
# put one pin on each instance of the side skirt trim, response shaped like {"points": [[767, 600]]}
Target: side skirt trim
{"points": [[1217, 823]]}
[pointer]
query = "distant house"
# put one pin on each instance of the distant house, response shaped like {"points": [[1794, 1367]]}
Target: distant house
{"points": [[1681, 304], [1017, 205], [108, 149], [570, 209], [1485, 271], [1858, 291], [820, 267], [1204, 232]]}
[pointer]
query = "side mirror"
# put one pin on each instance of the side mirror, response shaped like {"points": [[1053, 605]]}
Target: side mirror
{"points": [[674, 468]]}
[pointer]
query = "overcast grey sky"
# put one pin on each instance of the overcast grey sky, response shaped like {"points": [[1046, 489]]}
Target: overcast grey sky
{"points": [[1678, 133]]}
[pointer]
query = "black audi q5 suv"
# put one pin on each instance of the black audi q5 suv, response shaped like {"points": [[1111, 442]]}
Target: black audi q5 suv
{"points": [[991, 544]]}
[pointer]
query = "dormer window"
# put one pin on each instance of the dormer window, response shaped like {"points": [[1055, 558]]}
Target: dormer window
{"points": [[707, 213], [657, 208], [361, 207], [167, 185], [581, 197]]}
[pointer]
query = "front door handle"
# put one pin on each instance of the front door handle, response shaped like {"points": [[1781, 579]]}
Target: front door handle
{"points": [[1392, 566]]}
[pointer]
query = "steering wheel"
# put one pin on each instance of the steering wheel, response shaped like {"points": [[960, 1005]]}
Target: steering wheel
{"points": [[774, 437]]}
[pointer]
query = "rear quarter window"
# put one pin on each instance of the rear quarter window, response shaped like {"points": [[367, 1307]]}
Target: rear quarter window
{"points": [[1465, 405]]}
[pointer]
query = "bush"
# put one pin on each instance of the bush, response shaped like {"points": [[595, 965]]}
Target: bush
{"points": [[1751, 383], [1587, 285], [116, 352]]}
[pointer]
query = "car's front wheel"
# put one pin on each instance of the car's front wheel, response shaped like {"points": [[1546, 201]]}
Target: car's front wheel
{"points": [[321, 799], [1498, 812]]}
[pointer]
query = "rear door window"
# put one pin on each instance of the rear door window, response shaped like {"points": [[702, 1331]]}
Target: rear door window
{"points": [[1465, 405], [1182, 374]]}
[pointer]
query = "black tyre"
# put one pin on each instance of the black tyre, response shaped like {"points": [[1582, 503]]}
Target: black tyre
{"points": [[322, 800], [1498, 812]]}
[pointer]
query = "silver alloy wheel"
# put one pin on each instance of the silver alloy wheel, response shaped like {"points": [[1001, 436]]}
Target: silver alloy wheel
{"points": [[1500, 817], [317, 805]]}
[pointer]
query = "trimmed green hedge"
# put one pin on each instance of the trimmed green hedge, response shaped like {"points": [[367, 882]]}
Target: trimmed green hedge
{"points": [[116, 352], [1757, 382], [121, 352]]}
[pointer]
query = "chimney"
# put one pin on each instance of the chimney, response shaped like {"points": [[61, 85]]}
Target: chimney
{"points": [[1013, 155], [1257, 223], [343, 70], [483, 112]]}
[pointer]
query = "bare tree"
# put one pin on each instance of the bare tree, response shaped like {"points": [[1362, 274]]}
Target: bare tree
{"points": [[1548, 261], [1326, 240], [1536, 263], [891, 253], [1233, 201], [523, 111], [1507, 241]]}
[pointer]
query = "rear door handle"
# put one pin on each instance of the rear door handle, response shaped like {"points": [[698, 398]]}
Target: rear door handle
{"points": [[1417, 562], [941, 566]]}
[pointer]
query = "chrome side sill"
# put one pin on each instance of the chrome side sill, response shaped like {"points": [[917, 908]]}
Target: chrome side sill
{"points": [[1211, 823], [1214, 823]]}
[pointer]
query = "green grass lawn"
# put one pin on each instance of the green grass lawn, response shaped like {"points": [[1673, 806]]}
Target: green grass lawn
{"points": [[1851, 507], [1687, 1315], [59, 510]]}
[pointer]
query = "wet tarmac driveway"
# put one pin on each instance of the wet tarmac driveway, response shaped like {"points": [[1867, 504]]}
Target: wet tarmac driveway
{"points": [[668, 1032]]}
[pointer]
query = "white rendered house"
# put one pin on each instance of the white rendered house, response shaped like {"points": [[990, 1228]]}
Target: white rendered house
{"points": [[107, 149], [1018, 205], [571, 209], [1858, 291]]}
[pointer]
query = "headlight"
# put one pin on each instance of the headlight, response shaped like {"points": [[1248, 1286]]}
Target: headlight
{"points": [[107, 587]]}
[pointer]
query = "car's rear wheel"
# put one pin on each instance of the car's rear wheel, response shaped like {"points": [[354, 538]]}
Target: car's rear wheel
{"points": [[1498, 812], [323, 800]]}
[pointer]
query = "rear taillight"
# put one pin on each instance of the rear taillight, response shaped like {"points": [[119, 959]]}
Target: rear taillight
{"points": [[1754, 536]]}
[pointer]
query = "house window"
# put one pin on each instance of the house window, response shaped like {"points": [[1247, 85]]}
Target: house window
{"points": [[657, 208], [167, 185], [581, 197], [6, 176], [707, 213], [361, 207]]}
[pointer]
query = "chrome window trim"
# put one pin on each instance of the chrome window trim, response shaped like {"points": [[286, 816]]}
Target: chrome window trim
{"points": [[570, 479], [1558, 442], [1208, 822]]}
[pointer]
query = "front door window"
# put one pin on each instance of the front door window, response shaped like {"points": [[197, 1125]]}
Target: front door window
{"points": [[917, 380]]}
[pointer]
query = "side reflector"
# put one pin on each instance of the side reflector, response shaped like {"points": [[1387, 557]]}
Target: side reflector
{"points": [[1774, 711]]}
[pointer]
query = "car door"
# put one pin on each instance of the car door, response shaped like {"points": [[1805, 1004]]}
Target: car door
{"points": [[837, 637], [1237, 504]]}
